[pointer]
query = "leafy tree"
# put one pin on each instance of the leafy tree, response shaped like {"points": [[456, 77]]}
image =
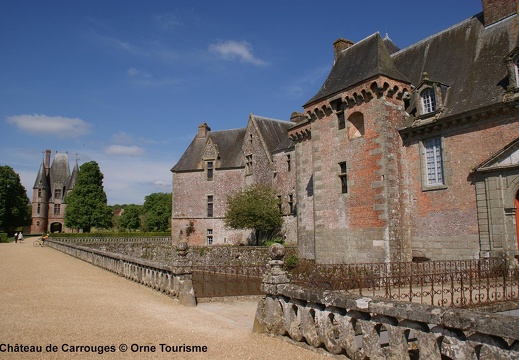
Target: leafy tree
{"points": [[86, 203], [14, 210], [157, 211], [130, 218], [255, 207]]}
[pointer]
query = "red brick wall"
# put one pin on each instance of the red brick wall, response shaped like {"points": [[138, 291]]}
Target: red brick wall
{"points": [[495, 10], [443, 223]]}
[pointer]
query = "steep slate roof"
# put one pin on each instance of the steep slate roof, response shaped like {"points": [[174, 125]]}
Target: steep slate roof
{"points": [[274, 133], [228, 142], [466, 57], [362, 61], [59, 170]]}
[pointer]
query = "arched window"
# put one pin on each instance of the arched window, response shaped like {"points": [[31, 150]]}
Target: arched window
{"points": [[428, 101], [357, 125]]}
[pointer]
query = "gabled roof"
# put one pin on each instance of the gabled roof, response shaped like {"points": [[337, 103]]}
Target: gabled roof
{"points": [[273, 132], [228, 142], [364, 60]]}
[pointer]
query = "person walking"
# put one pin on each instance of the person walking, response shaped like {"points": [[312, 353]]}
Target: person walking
{"points": [[20, 236], [16, 237]]}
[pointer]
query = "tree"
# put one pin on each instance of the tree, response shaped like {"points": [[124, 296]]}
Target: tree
{"points": [[130, 218], [255, 207], [86, 204], [157, 211], [13, 200]]}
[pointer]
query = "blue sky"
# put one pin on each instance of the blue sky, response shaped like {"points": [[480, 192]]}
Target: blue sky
{"points": [[126, 83]]}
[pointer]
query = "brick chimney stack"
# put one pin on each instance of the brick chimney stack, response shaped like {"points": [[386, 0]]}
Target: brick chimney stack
{"points": [[495, 10], [202, 130], [340, 45], [47, 161]]}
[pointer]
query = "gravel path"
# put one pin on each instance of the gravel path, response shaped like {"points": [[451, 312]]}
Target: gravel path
{"points": [[49, 298]]}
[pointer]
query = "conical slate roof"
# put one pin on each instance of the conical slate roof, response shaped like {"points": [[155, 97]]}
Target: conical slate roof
{"points": [[41, 179]]}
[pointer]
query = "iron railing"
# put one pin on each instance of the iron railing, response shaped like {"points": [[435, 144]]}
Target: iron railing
{"points": [[461, 283]]}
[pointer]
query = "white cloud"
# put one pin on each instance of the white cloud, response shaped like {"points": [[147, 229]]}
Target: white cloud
{"points": [[122, 137], [231, 50], [124, 150], [50, 125]]}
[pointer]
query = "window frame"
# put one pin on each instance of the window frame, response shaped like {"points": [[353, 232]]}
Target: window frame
{"points": [[428, 101], [209, 165], [210, 238], [343, 176], [434, 146], [210, 206]]}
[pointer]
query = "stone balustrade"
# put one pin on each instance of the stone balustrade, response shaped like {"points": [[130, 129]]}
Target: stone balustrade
{"points": [[115, 239], [174, 280], [363, 327]]}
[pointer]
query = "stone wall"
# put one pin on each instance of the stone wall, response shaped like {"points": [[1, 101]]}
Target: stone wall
{"points": [[160, 251]]}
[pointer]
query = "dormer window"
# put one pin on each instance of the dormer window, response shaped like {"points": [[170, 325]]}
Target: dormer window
{"points": [[431, 97], [428, 101]]}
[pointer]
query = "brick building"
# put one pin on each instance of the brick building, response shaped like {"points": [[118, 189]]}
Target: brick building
{"points": [[215, 164], [402, 153], [413, 152], [52, 184]]}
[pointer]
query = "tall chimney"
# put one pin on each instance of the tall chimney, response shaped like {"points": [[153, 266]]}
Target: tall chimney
{"points": [[340, 45], [47, 161], [495, 10]]}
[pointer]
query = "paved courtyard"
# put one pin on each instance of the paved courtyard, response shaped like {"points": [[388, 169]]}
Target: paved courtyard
{"points": [[64, 308]]}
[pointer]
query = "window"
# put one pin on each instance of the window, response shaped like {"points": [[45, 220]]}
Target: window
{"points": [[341, 120], [209, 236], [38, 208], [209, 205], [279, 204], [289, 164], [39, 193], [210, 168], [57, 193], [428, 101], [57, 209], [291, 203], [433, 162], [343, 177], [248, 164]]}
